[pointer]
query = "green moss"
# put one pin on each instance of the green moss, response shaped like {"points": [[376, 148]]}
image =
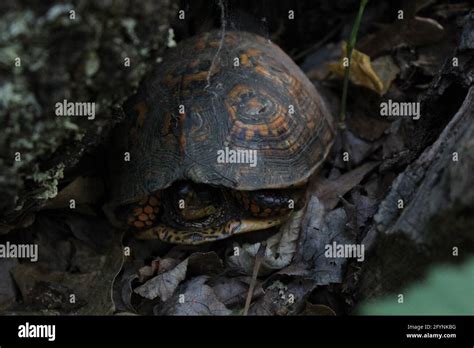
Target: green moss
{"points": [[49, 180]]}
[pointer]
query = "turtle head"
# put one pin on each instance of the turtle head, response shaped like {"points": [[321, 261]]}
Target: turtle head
{"points": [[190, 213]]}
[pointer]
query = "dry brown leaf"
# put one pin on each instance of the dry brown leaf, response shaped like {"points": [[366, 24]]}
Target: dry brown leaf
{"points": [[366, 127], [164, 284], [278, 253], [198, 299], [77, 255], [358, 148], [148, 271], [417, 31], [328, 191]]}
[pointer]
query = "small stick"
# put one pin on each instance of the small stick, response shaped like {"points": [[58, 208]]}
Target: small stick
{"points": [[256, 268]]}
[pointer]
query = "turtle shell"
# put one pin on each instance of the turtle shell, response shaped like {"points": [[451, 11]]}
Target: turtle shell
{"points": [[215, 93]]}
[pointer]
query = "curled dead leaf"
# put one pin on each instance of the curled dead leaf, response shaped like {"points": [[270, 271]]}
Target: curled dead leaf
{"points": [[197, 298], [377, 75], [329, 191], [164, 284], [279, 251]]}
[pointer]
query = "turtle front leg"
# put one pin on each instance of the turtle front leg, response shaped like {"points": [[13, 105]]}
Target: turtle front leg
{"points": [[143, 214]]}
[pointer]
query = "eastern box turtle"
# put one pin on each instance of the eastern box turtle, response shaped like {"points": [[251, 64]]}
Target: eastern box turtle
{"points": [[213, 100]]}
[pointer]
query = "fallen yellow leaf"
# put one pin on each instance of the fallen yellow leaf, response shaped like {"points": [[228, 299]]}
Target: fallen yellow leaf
{"points": [[363, 72]]}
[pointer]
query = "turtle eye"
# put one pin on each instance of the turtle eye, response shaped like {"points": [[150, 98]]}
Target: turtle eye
{"points": [[194, 201], [144, 213]]}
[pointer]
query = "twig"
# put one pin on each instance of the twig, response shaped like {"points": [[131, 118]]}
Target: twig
{"points": [[256, 268]]}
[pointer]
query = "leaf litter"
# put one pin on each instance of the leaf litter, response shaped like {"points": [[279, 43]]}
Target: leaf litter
{"points": [[77, 256]]}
